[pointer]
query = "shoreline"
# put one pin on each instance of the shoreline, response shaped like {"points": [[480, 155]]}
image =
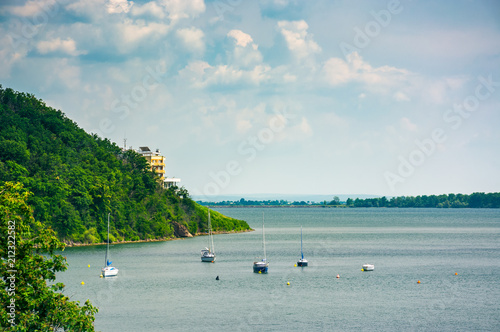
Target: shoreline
{"points": [[277, 206], [78, 244]]}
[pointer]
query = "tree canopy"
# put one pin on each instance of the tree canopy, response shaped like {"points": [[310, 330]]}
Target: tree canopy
{"points": [[28, 261]]}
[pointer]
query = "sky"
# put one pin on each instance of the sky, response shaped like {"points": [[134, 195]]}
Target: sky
{"points": [[275, 97]]}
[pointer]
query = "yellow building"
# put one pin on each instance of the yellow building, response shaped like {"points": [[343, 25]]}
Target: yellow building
{"points": [[157, 163]]}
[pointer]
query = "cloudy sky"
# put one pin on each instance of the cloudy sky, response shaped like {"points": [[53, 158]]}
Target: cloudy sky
{"points": [[284, 96]]}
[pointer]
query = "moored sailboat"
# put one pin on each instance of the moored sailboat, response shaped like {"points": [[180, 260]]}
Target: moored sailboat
{"points": [[302, 261], [108, 270], [263, 265], [208, 254]]}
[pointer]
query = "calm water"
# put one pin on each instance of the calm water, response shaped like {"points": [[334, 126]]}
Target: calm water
{"points": [[163, 286]]}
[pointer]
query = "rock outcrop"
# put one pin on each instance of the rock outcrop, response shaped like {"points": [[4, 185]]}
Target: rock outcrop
{"points": [[181, 230]]}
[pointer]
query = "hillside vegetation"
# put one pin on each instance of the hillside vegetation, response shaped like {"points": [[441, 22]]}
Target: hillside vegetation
{"points": [[76, 179]]}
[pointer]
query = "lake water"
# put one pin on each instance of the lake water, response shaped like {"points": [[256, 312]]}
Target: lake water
{"points": [[163, 286]]}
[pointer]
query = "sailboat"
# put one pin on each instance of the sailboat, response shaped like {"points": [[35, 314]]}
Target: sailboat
{"points": [[302, 261], [263, 265], [108, 270], [208, 254]]}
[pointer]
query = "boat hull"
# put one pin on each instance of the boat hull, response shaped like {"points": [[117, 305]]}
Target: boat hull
{"points": [[368, 267], [208, 259], [302, 262], [207, 256], [260, 267], [109, 271]]}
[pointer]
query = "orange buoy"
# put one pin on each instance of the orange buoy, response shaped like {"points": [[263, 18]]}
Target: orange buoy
{"points": [[418, 281], [338, 276], [456, 273]]}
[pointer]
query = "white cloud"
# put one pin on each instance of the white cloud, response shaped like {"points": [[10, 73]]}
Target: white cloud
{"points": [[31, 8], [94, 10], [134, 32], [119, 6], [200, 74], [242, 39], [8, 56], [151, 8], [337, 71], [67, 46], [224, 74], [179, 9], [192, 39], [245, 53], [298, 40], [195, 73]]}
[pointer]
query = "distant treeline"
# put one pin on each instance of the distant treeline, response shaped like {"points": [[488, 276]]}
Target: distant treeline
{"points": [[475, 200]]}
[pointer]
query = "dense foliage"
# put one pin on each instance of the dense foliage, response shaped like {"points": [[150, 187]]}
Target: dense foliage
{"points": [[77, 179], [475, 200], [28, 262]]}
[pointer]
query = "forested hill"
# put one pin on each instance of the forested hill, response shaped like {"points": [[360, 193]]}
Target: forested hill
{"points": [[76, 179]]}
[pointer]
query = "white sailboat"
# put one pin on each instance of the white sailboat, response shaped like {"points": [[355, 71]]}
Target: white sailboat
{"points": [[302, 261], [208, 254], [108, 270], [263, 265]]}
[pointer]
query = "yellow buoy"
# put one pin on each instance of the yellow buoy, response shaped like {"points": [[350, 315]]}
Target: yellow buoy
{"points": [[295, 265], [83, 283], [288, 283], [102, 276], [260, 271], [362, 270], [88, 265]]}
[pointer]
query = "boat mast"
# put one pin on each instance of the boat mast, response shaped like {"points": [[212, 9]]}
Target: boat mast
{"points": [[107, 247], [301, 252], [263, 237], [210, 236]]}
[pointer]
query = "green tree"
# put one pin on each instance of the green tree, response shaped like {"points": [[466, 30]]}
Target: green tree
{"points": [[335, 201], [28, 302]]}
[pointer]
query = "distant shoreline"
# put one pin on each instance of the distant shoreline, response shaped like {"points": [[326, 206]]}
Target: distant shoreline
{"points": [[277, 206], [343, 207], [78, 244]]}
